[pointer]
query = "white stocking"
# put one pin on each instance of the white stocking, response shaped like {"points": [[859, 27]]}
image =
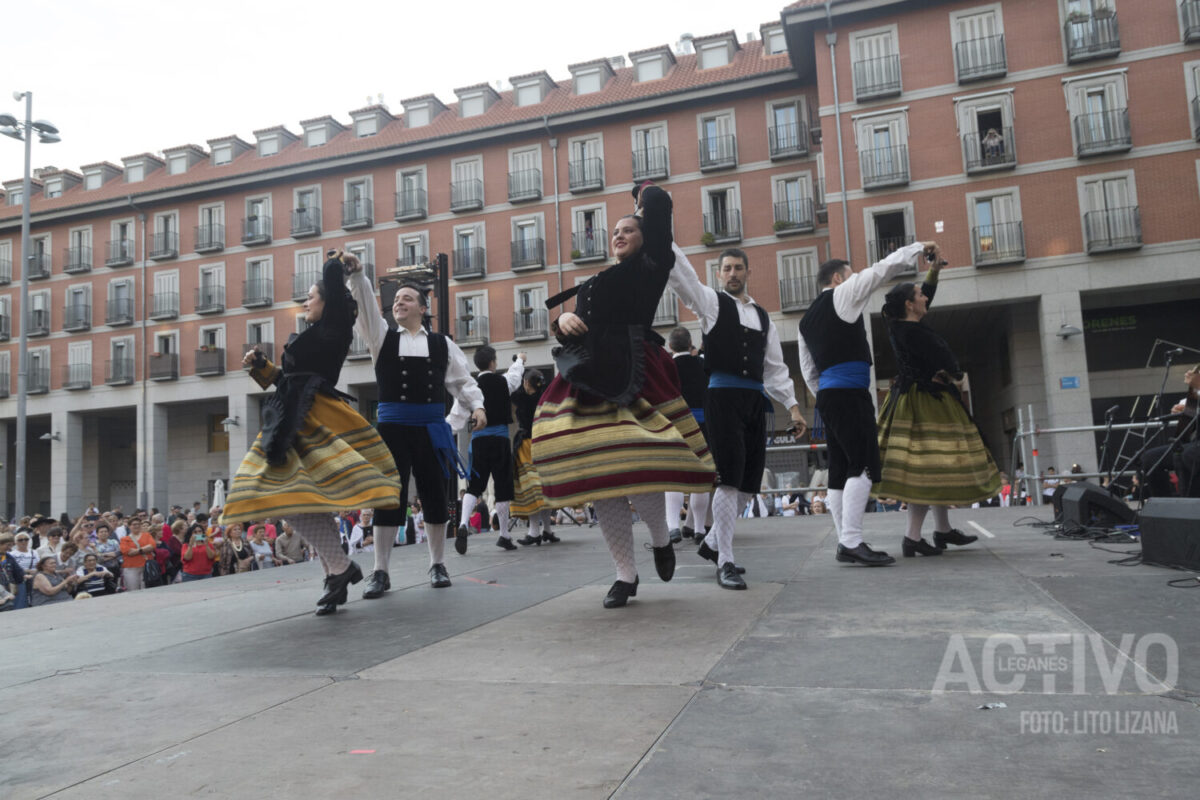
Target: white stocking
{"points": [[435, 537], [833, 500], [650, 506], [385, 538], [854, 505], [616, 525], [502, 514], [916, 518], [674, 506], [941, 519], [727, 502], [697, 511], [535, 525], [321, 532], [468, 507]]}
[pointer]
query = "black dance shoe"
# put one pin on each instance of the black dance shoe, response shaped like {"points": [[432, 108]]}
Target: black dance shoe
{"points": [[438, 577], [460, 540], [664, 561], [675, 535], [325, 610], [709, 554], [729, 578], [505, 543], [528, 540], [687, 532], [550, 538], [953, 536], [377, 584], [336, 585], [919, 547], [864, 555], [620, 593]]}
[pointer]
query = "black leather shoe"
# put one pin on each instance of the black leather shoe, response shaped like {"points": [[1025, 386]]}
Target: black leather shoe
{"points": [[620, 593], [664, 561], [528, 540], [919, 547], [377, 584], [343, 596], [506, 543], [675, 535], [708, 553], [550, 538], [438, 577], [336, 585], [953, 536], [687, 532], [325, 610], [864, 555], [728, 577], [460, 540]]}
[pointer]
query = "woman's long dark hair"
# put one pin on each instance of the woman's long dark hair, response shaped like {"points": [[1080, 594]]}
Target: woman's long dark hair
{"points": [[894, 308]]}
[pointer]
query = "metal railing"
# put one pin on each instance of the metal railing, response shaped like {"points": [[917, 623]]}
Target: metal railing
{"points": [[210, 237], [525, 184], [884, 166], [584, 174], [531, 323], [118, 372], [1195, 135], [725, 226], [981, 58], [995, 244], [788, 140], [306, 221], [466, 195], [415, 259], [258, 292], [164, 367], [78, 259], [471, 331], [469, 262], [358, 213], [5, 271], [1113, 229], [210, 299], [797, 294], [210, 361], [119, 311], [528, 253], [120, 253], [717, 152], [39, 266], [164, 244], [792, 216], [1102, 132], [988, 152], [650, 163], [5, 327], [164, 305], [588, 246], [77, 376], [1091, 36], [256, 230], [5, 383], [876, 77], [667, 311], [77, 317], [39, 322], [411, 204], [1190, 10], [39, 380], [880, 248], [302, 282]]}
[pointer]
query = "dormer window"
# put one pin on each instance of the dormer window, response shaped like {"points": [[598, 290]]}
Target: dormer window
{"points": [[135, 173], [315, 137], [367, 126], [417, 116], [268, 146], [587, 81], [92, 180], [649, 68], [54, 188], [222, 154], [714, 55], [16, 197], [471, 105], [177, 165], [528, 94], [773, 41]]}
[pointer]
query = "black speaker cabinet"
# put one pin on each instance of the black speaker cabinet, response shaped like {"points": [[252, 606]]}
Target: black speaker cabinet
{"points": [[1170, 529], [1087, 505], [1056, 500]]}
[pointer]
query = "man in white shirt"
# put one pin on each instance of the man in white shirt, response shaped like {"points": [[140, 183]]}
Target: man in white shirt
{"points": [[835, 358], [415, 370], [745, 363]]}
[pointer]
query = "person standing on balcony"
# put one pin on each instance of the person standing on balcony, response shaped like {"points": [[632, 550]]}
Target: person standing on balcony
{"points": [[835, 359], [415, 370], [746, 371]]}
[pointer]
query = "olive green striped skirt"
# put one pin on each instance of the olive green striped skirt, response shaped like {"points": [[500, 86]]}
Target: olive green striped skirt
{"points": [[527, 486], [932, 452]]}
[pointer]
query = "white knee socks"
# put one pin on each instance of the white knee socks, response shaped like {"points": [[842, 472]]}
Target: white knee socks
{"points": [[502, 515], [650, 506], [468, 507], [674, 502], [833, 501], [385, 538], [321, 532], [435, 535], [616, 525], [727, 503], [916, 518], [854, 505], [941, 519], [697, 511]]}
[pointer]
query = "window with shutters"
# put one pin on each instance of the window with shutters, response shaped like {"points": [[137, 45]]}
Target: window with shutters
{"points": [[997, 232], [797, 278], [177, 165], [222, 154], [985, 123], [883, 149], [774, 42], [715, 54], [307, 272], [268, 146], [649, 68], [527, 94], [978, 38], [888, 228], [650, 154], [588, 81], [1192, 77], [875, 63], [1111, 217], [793, 203], [525, 174], [1099, 113], [718, 140]]}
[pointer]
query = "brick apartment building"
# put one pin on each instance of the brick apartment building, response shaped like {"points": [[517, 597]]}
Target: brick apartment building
{"points": [[150, 279]]}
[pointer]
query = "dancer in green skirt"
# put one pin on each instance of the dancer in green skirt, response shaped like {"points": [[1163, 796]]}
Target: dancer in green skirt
{"points": [[932, 453]]}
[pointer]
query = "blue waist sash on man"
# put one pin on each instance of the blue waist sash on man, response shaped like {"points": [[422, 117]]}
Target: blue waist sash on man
{"points": [[429, 416], [847, 375], [500, 431], [698, 413]]}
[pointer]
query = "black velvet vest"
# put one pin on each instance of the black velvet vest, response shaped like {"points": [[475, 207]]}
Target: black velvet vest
{"points": [[496, 402], [831, 339], [732, 347], [412, 379]]}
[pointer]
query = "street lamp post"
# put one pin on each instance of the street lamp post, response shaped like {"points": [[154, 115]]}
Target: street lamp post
{"points": [[47, 134]]}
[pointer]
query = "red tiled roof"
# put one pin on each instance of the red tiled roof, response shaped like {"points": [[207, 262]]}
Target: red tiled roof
{"points": [[684, 75]]}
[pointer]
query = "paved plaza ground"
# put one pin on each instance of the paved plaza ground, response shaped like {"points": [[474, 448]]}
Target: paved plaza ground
{"points": [[823, 680]]}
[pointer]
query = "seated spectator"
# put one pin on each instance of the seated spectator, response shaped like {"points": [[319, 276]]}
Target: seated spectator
{"points": [[289, 547], [362, 535], [198, 554], [48, 586], [108, 551], [1050, 482], [69, 558], [264, 555], [26, 559], [236, 555], [93, 578], [53, 542]]}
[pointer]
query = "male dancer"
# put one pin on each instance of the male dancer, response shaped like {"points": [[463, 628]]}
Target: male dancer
{"points": [[491, 453], [693, 381], [745, 362], [528, 501], [835, 359], [415, 369]]}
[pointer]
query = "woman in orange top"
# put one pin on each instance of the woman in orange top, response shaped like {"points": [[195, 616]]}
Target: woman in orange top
{"points": [[134, 549]]}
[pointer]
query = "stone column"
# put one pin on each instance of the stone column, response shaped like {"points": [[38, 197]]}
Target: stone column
{"points": [[153, 470], [4, 468], [1068, 393], [66, 463]]}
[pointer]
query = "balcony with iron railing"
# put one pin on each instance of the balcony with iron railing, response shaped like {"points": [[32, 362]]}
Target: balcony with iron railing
{"points": [[1113, 229], [358, 348], [210, 238], [119, 311], [588, 246], [528, 254], [258, 292], [988, 153], [875, 78], [469, 262], [164, 245], [471, 331], [1195, 132], [120, 253], [256, 229], [466, 195], [164, 305], [998, 244], [722, 227], [118, 372], [718, 152], [358, 213], [210, 361], [411, 204], [819, 207], [302, 282], [1190, 11], [39, 322], [414, 259], [650, 163], [39, 380], [585, 174], [210, 299], [5, 271], [77, 376], [1103, 132], [39, 266], [1092, 36], [164, 367], [797, 294], [530, 324], [78, 260], [667, 311], [878, 249], [794, 216], [981, 58], [787, 141], [5, 383], [77, 317], [524, 184], [5, 327], [884, 166], [306, 222]]}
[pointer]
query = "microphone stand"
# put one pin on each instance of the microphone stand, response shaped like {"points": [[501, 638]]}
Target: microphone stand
{"points": [[1108, 423]]}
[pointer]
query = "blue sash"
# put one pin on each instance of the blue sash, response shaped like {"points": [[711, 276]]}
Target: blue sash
{"points": [[727, 380], [698, 413], [429, 416], [847, 375]]}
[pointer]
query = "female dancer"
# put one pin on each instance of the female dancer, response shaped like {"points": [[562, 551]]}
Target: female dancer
{"points": [[527, 496], [315, 455], [931, 451], [612, 427]]}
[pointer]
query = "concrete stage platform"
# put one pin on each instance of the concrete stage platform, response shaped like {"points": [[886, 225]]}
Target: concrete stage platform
{"points": [[823, 680]]}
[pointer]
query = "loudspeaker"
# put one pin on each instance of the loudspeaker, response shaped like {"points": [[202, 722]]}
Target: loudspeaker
{"points": [[1056, 501], [1086, 504], [1170, 529]]}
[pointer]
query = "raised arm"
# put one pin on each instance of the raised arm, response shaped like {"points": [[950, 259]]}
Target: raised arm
{"points": [[850, 297], [370, 325], [701, 300], [656, 225]]}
